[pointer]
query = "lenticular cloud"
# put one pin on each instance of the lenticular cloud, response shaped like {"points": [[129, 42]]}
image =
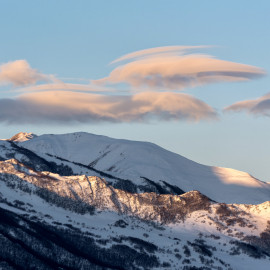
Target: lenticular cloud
{"points": [[170, 68], [153, 73], [87, 107], [259, 106]]}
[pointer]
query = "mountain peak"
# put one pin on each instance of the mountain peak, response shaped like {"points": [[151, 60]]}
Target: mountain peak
{"points": [[22, 137]]}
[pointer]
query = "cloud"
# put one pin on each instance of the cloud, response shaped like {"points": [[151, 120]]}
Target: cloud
{"points": [[157, 51], [259, 106], [19, 73], [64, 86], [68, 107], [158, 70]]}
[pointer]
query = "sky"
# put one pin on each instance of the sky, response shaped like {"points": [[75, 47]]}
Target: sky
{"points": [[190, 76]]}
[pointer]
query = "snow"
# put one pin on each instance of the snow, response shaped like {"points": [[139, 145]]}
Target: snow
{"points": [[133, 160], [102, 226], [167, 237]]}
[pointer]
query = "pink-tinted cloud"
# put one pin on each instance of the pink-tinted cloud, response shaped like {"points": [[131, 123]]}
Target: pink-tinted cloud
{"points": [[156, 70], [65, 87], [167, 50], [19, 73], [259, 106], [68, 107]]}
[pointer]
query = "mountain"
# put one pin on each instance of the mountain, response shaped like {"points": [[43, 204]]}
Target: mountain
{"points": [[60, 210], [79, 222], [148, 166]]}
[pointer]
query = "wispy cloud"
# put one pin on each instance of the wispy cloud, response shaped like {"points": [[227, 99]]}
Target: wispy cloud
{"points": [[167, 50], [61, 86], [164, 68], [68, 107], [259, 106], [19, 73]]}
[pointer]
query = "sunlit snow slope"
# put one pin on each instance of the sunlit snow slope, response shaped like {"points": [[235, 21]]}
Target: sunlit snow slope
{"points": [[139, 160]]}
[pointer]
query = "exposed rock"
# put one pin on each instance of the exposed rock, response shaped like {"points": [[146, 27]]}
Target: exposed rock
{"points": [[96, 192], [22, 137]]}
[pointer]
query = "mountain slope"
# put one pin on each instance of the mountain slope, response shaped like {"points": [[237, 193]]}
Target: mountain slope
{"points": [[77, 222], [81, 201], [146, 163]]}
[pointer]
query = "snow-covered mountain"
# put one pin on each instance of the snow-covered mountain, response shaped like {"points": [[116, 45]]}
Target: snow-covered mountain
{"points": [[50, 221], [146, 165], [82, 201]]}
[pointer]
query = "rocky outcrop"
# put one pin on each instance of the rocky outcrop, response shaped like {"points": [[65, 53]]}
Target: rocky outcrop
{"points": [[96, 192], [22, 137]]}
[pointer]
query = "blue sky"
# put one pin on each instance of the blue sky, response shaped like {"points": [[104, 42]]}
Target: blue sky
{"points": [[78, 40]]}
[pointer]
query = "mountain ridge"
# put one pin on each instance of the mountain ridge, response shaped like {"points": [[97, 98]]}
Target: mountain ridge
{"points": [[138, 161]]}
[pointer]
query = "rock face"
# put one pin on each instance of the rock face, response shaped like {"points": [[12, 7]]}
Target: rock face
{"points": [[96, 192]]}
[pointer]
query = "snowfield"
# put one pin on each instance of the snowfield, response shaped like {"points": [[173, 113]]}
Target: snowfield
{"points": [[133, 160]]}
